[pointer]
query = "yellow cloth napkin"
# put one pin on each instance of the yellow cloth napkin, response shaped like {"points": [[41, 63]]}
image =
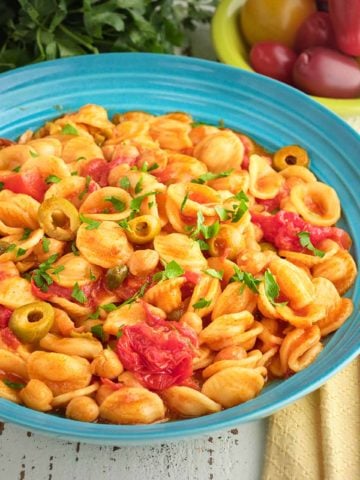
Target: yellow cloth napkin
{"points": [[318, 437]]}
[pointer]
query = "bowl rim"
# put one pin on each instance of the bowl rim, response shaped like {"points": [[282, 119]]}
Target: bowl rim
{"points": [[226, 40], [137, 434]]}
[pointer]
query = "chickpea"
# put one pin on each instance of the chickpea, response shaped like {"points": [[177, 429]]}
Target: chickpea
{"points": [[83, 409], [193, 321], [106, 365], [37, 395]]}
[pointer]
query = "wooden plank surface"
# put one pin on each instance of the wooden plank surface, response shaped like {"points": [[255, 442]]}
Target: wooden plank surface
{"points": [[236, 454]]}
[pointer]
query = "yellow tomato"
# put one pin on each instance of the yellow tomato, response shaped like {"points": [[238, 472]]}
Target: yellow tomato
{"points": [[275, 20]]}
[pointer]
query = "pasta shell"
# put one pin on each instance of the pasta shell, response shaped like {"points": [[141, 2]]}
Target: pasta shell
{"points": [[234, 183], [171, 134], [77, 151], [82, 346], [181, 249], [46, 146], [166, 295], [93, 115], [132, 405], [300, 348], [15, 292], [207, 288], [12, 363], [47, 165], [203, 358], [317, 203], [71, 188], [299, 172], [188, 402], [340, 269], [106, 246], [247, 362], [329, 247], [13, 156], [223, 144], [303, 318], [265, 182], [236, 297], [234, 385], [181, 168], [100, 200], [293, 283]]}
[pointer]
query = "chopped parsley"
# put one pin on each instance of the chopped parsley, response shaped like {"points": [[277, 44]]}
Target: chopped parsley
{"points": [[124, 182], [247, 278], [45, 245], [78, 295], [20, 252], [92, 276], [139, 185], [124, 224], [140, 293], [98, 331], [272, 288], [33, 154], [26, 234], [305, 242], [69, 130], [214, 273], [91, 224], [185, 199], [95, 315], [16, 169], [52, 179], [223, 214], [118, 204], [41, 276], [86, 189], [10, 248], [206, 177], [109, 307], [201, 303], [74, 249], [136, 202], [1, 185], [172, 270], [208, 231]]}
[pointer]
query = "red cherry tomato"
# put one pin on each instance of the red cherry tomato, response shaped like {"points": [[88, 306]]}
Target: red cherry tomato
{"points": [[273, 60], [160, 354], [30, 182], [98, 170], [345, 17], [315, 31], [327, 73], [5, 315]]}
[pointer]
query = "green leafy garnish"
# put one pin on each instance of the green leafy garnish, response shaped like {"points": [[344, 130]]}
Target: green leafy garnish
{"points": [[172, 270], [305, 242], [272, 289], [41, 276], [45, 244], [20, 252], [214, 273], [73, 174], [124, 224], [136, 202], [118, 204], [92, 276], [52, 179], [140, 293], [26, 234], [124, 183], [69, 130], [10, 248], [201, 303], [13, 385], [1, 186], [245, 277], [109, 307], [91, 224], [78, 295], [74, 249], [139, 185], [98, 331], [33, 154], [86, 189], [206, 177], [241, 208], [120, 333], [95, 315], [16, 169], [184, 202], [208, 231], [154, 166], [223, 214]]}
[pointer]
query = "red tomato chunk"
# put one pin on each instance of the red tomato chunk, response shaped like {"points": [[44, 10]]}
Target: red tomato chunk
{"points": [[30, 183], [281, 230], [160, 354]]}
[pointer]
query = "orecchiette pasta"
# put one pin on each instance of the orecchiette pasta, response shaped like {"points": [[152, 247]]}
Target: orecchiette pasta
{"points": [[152, 268]]}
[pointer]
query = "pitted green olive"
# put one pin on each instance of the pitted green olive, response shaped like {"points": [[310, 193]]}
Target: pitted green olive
{"points": [[59, 218], [31, 322], [115, 276]]}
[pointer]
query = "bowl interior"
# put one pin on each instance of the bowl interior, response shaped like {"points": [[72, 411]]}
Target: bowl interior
{"points": [[232, 49], [262, 108]]}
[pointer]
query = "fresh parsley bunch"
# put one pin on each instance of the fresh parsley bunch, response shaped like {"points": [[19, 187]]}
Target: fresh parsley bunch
{"points": [[36, 30]]}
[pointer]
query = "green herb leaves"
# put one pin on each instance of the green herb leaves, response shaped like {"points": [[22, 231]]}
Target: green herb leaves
{"points": [[69, 130], [304, 238], [41, 275], [272, 289], [201, 303], [172, 270], [52, 179], [246, 278], [78, 295], [91, 224], [206, 177], [118, 205], [13, 385]]}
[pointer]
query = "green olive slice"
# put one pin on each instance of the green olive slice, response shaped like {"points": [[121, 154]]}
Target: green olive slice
{"points": [[31, 322], [115, 276], [59, 218]]}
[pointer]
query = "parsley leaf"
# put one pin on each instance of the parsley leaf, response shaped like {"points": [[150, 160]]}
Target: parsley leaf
{"points": [[98, 331], [33, 154], [20, 252], [91, 224], [69, 130], [45, 244], [109, 307], [222, 213], [214, 273], [52, 179], [74, 249], [247, 278], [26, 234], [272, 289], [136, 202], [118, 204], [124, 183], [184, 202], [139, 185], [16, 169], [92, 276], [10, 248], [124, 224], [78, 295], [140, 293], [201, 303], [305, 242], [86, 189], [95, 315], [172, 270], [206, 177], [41, 276]]}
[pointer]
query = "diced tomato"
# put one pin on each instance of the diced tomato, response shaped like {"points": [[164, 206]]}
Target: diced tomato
{"points": [[98, 170], [131, 285], [9, 338], [192, 277], [30, 183], [115, 162], [5, 314], [281, 230], [110, 383], [160, 355], [274, 203]]}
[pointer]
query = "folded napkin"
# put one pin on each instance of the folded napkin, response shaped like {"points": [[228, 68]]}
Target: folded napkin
{"points": [[318, 437]]}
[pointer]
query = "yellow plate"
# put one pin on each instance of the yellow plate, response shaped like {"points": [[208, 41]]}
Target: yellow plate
{"points": [[231, 48]]}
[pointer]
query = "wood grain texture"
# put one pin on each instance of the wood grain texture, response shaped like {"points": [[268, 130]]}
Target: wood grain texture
{"points": [[236, 454]]}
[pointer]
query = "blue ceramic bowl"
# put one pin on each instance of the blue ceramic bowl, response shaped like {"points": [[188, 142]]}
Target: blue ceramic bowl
{"points": [[268, 111]]}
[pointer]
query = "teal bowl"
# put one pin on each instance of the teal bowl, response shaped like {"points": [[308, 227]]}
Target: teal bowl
{"points": [[266, 110]]}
